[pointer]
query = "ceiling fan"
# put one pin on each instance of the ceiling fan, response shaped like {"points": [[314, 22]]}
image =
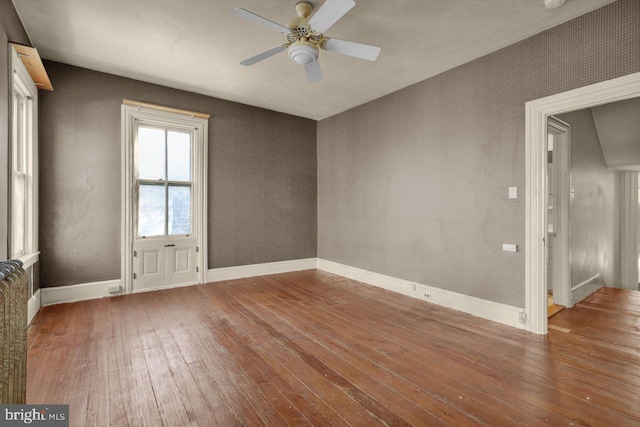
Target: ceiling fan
{"points": [[305, 36]]}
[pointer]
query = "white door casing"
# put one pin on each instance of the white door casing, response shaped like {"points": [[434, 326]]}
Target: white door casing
{"points": [[162, 261], [536, 115]]}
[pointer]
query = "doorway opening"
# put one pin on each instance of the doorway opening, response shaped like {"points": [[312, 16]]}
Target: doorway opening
{"points": [[536, 197], [558, 183], [164, 198]]}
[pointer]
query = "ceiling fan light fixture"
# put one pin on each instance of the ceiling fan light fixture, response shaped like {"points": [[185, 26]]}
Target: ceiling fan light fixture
{"points": [[302, 52], [553, 4], [305, 36]]}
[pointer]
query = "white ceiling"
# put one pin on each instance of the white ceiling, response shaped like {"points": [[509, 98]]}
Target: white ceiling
{"points": [[196, 45], [618, 127]]}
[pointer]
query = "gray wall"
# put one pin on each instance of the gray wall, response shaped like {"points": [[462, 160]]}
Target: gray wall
{"points": [[262, 177], [595, 208], [414, 184], [11, 30]]}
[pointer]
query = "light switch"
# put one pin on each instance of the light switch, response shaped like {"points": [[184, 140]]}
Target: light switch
{"points": [[513, 192], [508, 247]]}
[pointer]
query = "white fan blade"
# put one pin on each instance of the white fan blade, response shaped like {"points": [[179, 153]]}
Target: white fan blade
{"points": [[314, 73], [330, 12], [264, 55], [250, 16], [357, 50]]}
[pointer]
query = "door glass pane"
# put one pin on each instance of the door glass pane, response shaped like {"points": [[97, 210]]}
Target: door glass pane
{"points": [[179, 210], [179, 156], [151, 208], [151, 152]]}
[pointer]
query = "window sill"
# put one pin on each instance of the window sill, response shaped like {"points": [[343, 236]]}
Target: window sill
{"points": [[29, 259]]}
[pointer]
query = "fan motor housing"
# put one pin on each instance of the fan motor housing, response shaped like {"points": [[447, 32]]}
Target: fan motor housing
{"points": [[303, 9]]}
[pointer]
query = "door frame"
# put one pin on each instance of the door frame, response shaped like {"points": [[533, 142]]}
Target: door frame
{"points": [[536, 114], [130, 116], [562, 250]]}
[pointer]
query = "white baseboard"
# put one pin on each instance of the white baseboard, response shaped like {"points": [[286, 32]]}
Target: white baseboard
{"points": [[252, 270], [80, 292], [33, 305], [586, 288], [478, 307], [86, 291]]}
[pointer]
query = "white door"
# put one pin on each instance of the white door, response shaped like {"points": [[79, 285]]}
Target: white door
{"points": [[164, 241], [551, 210]]}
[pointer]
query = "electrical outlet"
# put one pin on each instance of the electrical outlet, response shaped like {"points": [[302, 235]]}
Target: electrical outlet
{"points": [[513, 192], [508, 247]]}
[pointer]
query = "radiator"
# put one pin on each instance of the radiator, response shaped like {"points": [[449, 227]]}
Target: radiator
{"points": [[13, 332]]}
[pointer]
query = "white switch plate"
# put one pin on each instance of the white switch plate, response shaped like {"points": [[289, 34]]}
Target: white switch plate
{"points": [[513, 192], [508, 247]]}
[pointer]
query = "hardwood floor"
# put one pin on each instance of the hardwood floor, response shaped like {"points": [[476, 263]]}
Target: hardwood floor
{"points": [[552, 308], [311, 348]]}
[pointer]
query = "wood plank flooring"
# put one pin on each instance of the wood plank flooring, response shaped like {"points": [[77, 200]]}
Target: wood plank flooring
{"points": [[311, 348], [551, 307]]}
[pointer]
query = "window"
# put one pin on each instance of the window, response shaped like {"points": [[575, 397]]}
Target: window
{"points": [[163, 181], [164, 196], [23, 166]]}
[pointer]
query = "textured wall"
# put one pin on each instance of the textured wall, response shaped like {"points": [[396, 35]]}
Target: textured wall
{"points": [[262, 177], [414, 184], [11, 30], [595, 207]]}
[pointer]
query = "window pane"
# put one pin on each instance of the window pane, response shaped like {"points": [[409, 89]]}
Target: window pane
{"points": [[15, 147], [151, 153], [179, 148], [151, 205], [22, 134], [17, 214], [179, 210]]}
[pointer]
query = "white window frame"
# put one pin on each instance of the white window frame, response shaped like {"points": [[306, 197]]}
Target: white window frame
{"points": [[24, 137], [131, 116], [166, 182]]}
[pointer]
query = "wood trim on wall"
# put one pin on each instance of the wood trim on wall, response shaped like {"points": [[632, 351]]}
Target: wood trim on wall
{"points": [[165, 109], [33, 63], [33, 306], [496, 312], [501, 313], [253, 270], [79, 292], [586, 288]]}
